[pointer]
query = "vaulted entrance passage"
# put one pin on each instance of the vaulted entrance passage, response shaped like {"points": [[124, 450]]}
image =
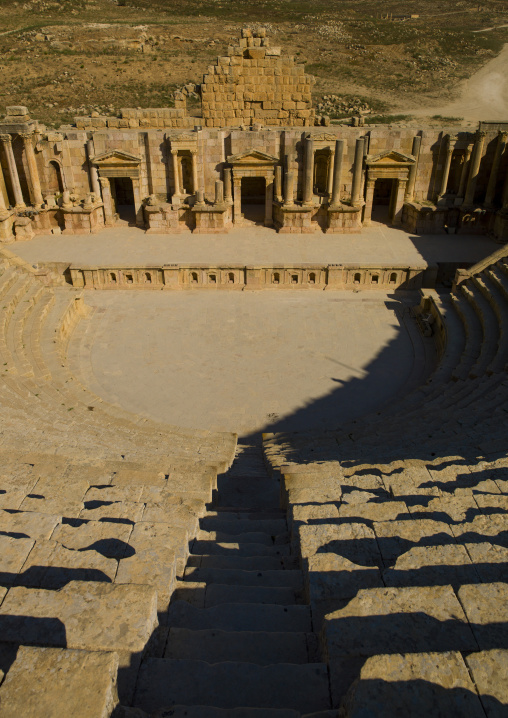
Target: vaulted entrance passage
{"points": [[122, 193], [253, 177], [253, 191], [383, 200], [385, 186]]}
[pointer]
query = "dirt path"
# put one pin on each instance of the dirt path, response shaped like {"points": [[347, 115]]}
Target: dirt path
{"points": [[484, 96]]}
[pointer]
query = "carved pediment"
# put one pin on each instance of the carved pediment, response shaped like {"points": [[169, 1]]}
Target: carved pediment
{"points": [[253, 157], [390, 158], [115, 158]]}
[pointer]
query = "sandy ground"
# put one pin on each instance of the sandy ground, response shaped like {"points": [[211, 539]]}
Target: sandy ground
{"points": [[484, 96]]}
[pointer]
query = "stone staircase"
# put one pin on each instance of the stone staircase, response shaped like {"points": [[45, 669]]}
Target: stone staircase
{"points": [[238, 639]]}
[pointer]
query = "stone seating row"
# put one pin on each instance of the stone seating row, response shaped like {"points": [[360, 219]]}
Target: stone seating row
{"points": [[97, 512], [400, 522]]}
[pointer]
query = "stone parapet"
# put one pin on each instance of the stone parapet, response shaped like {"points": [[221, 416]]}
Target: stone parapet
{"points": [[239, 276]]}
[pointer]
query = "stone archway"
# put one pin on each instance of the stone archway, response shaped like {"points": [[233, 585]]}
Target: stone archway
{"points": [[246, 166], [384, 167]]}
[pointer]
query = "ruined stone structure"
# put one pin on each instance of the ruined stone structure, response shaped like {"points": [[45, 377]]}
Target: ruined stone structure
{"points": [[148, 570], [258, 155]]}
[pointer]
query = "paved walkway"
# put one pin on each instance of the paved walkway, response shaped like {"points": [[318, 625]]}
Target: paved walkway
{"points": [[245, 361], [254, 245]]}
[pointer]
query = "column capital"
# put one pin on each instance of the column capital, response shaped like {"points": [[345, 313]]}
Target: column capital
{"points": [[104, 181], [26, 136], [480, 135], [503, 135], [193, 152], [6, 139], [174, 152]]}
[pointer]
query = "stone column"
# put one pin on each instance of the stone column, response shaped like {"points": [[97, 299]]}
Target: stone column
{"points": [[13, 171], [33, 172], [415, 151], [308, 171], [94, 175], [331, 165], [109, 219], [228, 196], [237, 201], [357, 172], [369, 199], [446, 168], [3, 202], [176, 175], [505, 194], [289, 184], [337, 171], [463, 174], [219, 192], [475, 166], [269, 202], [278, 183], [194, 170], [491, 187], [399, 202]]}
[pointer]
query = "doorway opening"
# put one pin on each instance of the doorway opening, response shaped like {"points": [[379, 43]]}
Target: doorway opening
{"points": [[122, 193], [55, 179], [383, 202], [253, 199]]}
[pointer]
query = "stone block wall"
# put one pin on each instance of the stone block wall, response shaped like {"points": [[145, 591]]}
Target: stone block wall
{"points": [[255, 84]]}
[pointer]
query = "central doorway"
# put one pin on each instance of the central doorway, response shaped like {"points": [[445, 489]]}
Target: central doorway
{"points": [[383, 203], [253, 199], [122, 193]]}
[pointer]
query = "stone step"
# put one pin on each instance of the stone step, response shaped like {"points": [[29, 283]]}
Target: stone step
{"points": [[215, 646], [245, 537], [217, 594], [273, 527], [163, 682], [246, 563], [231, 513], [292, 579], [224, 548], [211, 712], [240, 617]]}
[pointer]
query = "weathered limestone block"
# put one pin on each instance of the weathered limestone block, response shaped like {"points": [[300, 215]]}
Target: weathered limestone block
{"points": [[414, 684], [354, 541], [14, 489], [114, 493], [13, 554], [33, 524], [397, 537], [481, 526], [154, 566], [146, 534], [136, 476], [458, 479], [109, 538], [486, 607], [158, 495], [89, 616], [53, 682], [330, 579], [432, 566], [409, 620], [127, 510], [490, 561], [447, 507], [489, 670], [374, 510], [51, 565], [408, 478]]}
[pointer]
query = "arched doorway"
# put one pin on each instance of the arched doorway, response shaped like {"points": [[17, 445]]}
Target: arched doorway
{"points": [[55, 179]]}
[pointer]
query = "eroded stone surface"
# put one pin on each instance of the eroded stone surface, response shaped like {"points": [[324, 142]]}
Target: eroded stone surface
{"points": [[84, 615], [13, 553], [489, 670], [418, 684], [486, 607], [406, 619], [54, 682]]}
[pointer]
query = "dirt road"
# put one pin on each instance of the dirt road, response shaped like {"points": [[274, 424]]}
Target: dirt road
{"points": [[483, 97]]}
